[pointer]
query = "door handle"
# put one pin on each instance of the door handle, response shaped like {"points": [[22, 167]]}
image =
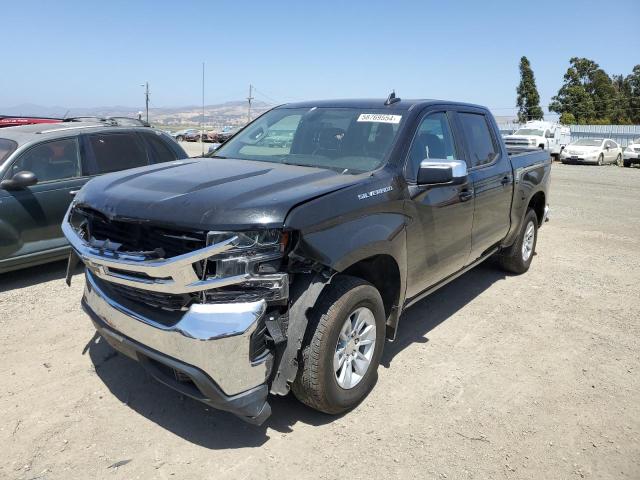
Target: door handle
{"points": [[466, 195], [505, 180], [73, 192]]}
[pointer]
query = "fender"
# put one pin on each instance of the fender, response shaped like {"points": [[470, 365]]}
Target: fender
{"points": [[356, 227], [528, 181]]}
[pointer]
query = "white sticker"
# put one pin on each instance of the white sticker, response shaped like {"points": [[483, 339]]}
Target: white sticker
{"points": [[379, 117]]}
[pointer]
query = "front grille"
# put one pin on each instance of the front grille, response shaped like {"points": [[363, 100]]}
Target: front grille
{"points": [[136, 237]]}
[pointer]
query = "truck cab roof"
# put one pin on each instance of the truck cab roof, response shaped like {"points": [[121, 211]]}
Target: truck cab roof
{"points": [[376, 103]]}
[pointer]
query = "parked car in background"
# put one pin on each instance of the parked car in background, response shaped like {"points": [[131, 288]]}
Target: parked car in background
{"points": [[180, 134], [42, 167], [225, 134], [549, 136], [193, 136], [631, 154], [598, 151]]}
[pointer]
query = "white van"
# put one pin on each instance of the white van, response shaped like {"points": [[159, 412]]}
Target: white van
{"points": [[540, 134]]}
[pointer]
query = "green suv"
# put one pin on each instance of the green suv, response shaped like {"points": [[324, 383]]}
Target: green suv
{"points": [[43, 166]]}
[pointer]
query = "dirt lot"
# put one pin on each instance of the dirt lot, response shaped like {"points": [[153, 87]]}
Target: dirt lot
{"points": [[494, 376]]}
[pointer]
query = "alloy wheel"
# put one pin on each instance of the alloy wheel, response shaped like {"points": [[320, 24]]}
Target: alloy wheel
{"points": [[355, 347]]}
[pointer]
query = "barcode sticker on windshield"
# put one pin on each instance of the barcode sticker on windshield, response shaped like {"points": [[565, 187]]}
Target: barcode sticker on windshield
{"points": [[379, 117]]}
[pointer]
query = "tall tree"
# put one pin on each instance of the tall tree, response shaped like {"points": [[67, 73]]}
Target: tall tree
{"points": [[575, 97], [633, 102], [528, 99]]}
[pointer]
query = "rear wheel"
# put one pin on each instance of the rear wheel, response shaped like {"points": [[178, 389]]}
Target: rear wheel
{"points": [[517, 258], [342, 347]]}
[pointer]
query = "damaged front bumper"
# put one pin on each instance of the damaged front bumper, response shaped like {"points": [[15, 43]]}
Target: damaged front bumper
{"points": [[204, 356], [204, 351]]}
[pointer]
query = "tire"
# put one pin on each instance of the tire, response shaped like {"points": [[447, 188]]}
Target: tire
{"points": [[600, 160], [619, 160], [179, 138], [317, 383], [513, 259], [626, 163]]}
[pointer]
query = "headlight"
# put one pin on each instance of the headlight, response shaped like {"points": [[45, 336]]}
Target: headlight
{"points": [[251, 240], [251, 252], [532, 141]]}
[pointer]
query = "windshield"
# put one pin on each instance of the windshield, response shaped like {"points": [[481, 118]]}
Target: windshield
{"points": [[347, 140], [529, 131], [6, 148], [587, 142]]}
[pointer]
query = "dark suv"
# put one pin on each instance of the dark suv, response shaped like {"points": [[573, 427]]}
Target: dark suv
{"points": [[43, 166]]}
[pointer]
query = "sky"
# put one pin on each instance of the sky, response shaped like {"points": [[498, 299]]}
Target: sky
{"points": [[86, 54]]}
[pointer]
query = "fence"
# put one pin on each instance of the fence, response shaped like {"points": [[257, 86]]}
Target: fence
{"points": [[623, 135]]}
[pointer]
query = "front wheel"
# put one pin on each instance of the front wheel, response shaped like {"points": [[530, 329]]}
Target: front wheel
{"points": [[517, 258], [619, 160], [601, 160], [179, 138], [339, 358]]}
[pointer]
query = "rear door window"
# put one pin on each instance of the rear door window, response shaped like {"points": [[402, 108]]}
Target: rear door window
{"points": [[117, 151], [55, 160], [482, 147], [160, 151]]}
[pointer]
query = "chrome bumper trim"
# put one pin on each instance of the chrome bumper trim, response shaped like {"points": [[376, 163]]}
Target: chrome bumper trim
{"points": [[173, 275], [211, 337], [545, 215]]}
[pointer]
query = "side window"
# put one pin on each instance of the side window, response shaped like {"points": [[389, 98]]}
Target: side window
{"points": [[161, 152], [478, 136], [117, 151], [433, 140], [50, 161]]}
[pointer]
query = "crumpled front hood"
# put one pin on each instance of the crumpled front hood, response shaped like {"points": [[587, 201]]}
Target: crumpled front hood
{"points": [[210, 193]]}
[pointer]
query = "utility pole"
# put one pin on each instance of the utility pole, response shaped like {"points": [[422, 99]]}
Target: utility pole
{"points": [[202, 132], [249, 98], [146, 98]]}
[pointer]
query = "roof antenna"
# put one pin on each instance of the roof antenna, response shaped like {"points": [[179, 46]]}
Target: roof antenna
{"points": [[391, 99]]}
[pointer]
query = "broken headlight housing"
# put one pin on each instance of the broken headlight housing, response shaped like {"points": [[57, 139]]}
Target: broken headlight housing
{"points": [[257, 254]]}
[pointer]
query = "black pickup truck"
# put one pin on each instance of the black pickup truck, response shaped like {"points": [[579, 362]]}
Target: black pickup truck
{"points": [[285, 260]]}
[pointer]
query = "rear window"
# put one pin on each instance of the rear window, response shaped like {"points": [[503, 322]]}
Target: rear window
{"points": [[7, 147], [160, 150], [117, 151]]}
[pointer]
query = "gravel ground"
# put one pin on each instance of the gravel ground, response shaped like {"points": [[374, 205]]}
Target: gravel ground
{"points": [[494, 376]]}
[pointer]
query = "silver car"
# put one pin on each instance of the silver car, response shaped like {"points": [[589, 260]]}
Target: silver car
{"points": [[592, 150], [632, 153]]}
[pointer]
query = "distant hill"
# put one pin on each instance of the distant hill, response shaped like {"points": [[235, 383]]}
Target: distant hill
{"points": [[228, 113]]}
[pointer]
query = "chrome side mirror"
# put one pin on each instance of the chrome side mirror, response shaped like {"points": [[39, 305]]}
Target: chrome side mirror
{"points": [[442, 171]]}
